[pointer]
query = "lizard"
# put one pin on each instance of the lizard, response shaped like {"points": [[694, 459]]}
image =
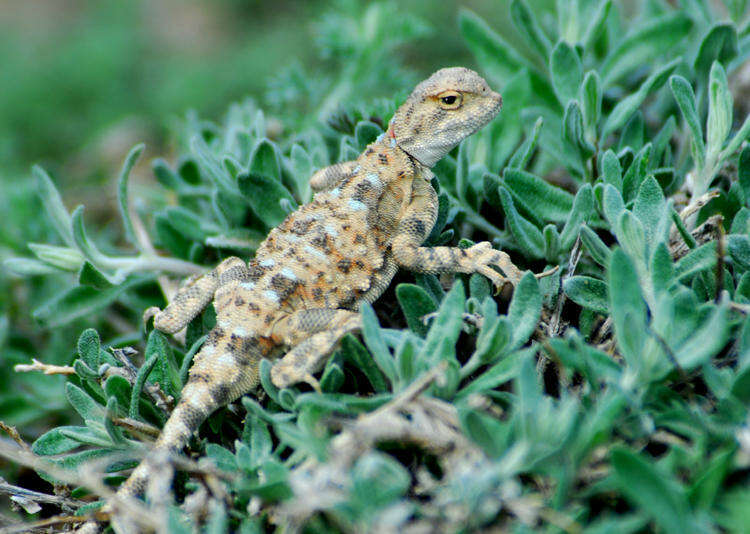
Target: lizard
{"points": [[301, 293]]}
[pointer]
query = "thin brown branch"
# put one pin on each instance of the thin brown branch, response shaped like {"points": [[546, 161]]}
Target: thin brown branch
{"points": [[42, 524], [13, 433], [35, 496], [46, 368]]}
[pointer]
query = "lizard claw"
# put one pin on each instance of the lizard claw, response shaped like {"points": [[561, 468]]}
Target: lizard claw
{"points": [[153, 311], [548, 272], [313, 382], [482, 256]]}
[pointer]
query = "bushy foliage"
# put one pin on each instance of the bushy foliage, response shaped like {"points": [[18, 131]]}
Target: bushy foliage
{"points": [[611, 396]]}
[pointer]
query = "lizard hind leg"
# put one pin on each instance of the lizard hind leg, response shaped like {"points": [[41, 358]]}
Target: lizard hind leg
{"points": [[225, 368], [191, 298], [314, 335]]}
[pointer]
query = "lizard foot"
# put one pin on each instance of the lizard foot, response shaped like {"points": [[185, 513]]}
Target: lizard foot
{"points": [[153, 311], [481, 257]]}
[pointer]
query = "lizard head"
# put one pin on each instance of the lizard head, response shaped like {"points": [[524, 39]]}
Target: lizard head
{"points": [[444, 109]]}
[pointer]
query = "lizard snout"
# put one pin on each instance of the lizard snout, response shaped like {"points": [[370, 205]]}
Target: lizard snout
{"points": [[498, 98]]}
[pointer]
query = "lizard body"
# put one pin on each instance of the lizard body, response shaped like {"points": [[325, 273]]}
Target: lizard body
{"points": [[301, 292]]}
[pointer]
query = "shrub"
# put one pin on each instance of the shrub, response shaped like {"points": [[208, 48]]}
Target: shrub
{"points": [[611, 396]]}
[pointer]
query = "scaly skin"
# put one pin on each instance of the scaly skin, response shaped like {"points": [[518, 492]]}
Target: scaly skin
{"points": [[301, 293]]}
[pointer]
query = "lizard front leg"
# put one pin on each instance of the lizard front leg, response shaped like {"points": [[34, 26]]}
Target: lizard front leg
{"points": [[416, 223], [191, 298], [313, 334], [327, 177]]}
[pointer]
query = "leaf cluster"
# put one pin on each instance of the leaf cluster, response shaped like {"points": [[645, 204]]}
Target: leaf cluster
{"points": [[610, 396]]}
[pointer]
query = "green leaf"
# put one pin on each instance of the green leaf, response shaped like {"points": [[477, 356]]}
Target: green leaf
{"points": [[53, 205], [77, 302], [528, 28], [501, 372], [657, 493], [499, 61], [415, 303], [551, 242], [720, 103], [89, 275], [209, 165], [527, 235], [550, 202], [743, 171], [366, 132], [376, 344], [627, 106], [597, 24], [591, 103], [487, 432], [651, 209], [88, 348], [697, 260], [632, 236], [440, 343], [82, 403], [647, 43], [707, 340], [582, 211], [599, 251], [566, 72], [521, 156], [165, 175], [572, 129], [612, 204], [355, 352], [662, 269], [683, 94], [719, 44], [525, 309], [122, 191], [493, 339], [493, 54], [611, 170], [627, 308], [378, 479], [266, 160], [28, 267], [587, 292], [56, 441], [636, 173], [265, 196], [737, 140], [739, 249]]}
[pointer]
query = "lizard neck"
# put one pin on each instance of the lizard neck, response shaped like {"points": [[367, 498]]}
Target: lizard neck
{"points": [[404, 160], [426, 156]]}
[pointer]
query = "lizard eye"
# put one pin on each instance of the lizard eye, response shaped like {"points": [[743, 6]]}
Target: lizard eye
{"points": [[450, 99]]}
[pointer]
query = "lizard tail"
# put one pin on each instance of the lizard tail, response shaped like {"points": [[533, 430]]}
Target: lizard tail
{"points": [[222, 371]]}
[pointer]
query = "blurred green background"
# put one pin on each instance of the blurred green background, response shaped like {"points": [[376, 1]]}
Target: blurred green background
{"points": [[83, 81]]}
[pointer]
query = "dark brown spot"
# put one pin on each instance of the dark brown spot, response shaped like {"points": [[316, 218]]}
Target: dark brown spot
{"points": [[220, 393], [301, 226], [253, 307], [197, 376], [344, 265], [215, 335], [239, 301], [359, 238], [383, 158], [320, 241]]}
